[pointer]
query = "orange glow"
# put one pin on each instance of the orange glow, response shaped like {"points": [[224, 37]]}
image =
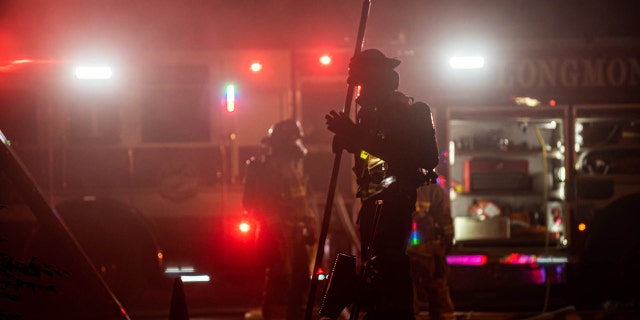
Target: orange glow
{"points": [[21, 61], [582, 226], [552, 103], [10, 65]]}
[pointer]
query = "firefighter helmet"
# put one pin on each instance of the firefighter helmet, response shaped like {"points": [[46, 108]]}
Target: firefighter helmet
{"points": [[285, 137], [285, 131], [373, 58], [371, 68]]}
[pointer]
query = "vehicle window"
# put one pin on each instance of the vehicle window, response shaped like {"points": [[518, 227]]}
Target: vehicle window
{"points": [[19, 117], [92, 121], [57, 281], [176, 115]]}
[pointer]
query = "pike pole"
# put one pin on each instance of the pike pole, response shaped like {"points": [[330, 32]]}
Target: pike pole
{"points": [[366, 4]]}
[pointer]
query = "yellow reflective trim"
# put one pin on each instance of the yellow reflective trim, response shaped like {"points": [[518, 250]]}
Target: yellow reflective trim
{"points": [[364, 154]]}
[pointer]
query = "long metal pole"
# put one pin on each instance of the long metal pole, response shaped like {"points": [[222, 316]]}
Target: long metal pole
{"points": [[366, 4]]}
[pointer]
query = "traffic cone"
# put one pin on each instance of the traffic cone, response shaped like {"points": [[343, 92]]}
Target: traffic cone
{"points": [[178, 309]]}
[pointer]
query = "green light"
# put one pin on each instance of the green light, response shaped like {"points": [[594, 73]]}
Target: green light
{"points": [[231, 98]]}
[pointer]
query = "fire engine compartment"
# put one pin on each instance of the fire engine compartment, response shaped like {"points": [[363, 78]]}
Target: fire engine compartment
{"points": [[503, 173]]}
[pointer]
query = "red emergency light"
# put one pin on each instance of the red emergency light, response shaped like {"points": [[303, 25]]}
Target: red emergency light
{"points": [[6, 66], [529, 259], [244, 227], [256, 67], [321, 274], [325, 60]]}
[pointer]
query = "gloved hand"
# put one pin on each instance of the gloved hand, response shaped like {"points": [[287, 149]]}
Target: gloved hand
{"points": [[347, 135], [340, 124]]}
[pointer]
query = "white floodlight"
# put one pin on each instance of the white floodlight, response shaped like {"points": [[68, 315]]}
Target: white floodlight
{"points": [[93, 72], [527, 101], [466, 62], [195, 278]]}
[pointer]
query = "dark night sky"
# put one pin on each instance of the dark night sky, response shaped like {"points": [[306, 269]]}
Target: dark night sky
{"points": [[44, 27]]}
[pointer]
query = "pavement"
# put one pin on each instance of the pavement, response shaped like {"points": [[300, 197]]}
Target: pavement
{"points": [[239, 300]]}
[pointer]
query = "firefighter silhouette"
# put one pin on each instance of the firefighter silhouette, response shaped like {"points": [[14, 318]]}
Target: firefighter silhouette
{"points": [[393, 142], [431, 240], [275, 196]]}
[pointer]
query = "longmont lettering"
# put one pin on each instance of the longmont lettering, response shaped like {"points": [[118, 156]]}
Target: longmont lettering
{"points": [[578, 72]]}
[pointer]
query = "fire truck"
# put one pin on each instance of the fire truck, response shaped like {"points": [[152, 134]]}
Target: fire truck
{"points": [[542, 220], [143, 156], [539, 152]]}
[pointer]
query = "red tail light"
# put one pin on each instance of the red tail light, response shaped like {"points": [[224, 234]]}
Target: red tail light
{"points": [[244, 227]]}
